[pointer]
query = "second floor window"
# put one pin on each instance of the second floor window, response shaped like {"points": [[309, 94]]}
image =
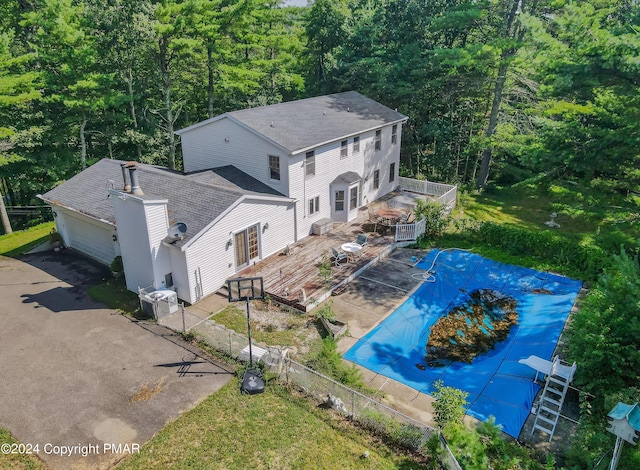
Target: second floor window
{"points": [[378, 141], [394, 134], [392, 172], [344, 149], [274, 167], [356, 144], [310, 164]]}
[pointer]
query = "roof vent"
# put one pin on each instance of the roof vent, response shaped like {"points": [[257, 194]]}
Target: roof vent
{"points": [[178, 230], [272, 124]]}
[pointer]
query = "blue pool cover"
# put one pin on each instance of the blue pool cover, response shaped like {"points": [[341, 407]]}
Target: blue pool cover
{"points": [[497, 384]]}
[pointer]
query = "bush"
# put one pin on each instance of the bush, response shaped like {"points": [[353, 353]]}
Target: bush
{"points": [[436, 216], [329, 362], [550, 250], [450, 404], [116, 265]]}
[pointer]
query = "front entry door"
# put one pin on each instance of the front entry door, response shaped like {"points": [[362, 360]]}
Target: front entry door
{"points": [[246, 243]]}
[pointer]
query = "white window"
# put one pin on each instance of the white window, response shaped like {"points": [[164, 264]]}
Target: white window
{"points": [[378, 142], [392, 172], [344, 149], [376, 179], [314, 205], [310, 164], [339, 201], [353, 198], [274, 167], [394, 134], [356, 144]]}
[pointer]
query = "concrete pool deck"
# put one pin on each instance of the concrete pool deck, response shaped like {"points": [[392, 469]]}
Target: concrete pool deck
{"points": [[367, 301]]}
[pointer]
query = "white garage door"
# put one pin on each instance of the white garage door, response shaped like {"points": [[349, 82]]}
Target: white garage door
{"points": [[92, 238]]}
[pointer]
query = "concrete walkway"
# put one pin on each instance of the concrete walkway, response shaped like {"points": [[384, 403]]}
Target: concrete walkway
{"points": [[79, 375]]}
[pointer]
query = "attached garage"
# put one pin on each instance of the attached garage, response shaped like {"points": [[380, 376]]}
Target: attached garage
{"points": [[95, 238]]}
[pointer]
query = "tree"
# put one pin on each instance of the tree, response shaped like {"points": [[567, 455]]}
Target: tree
{"points": [[18, 87], [604, 333], [589, 106]]}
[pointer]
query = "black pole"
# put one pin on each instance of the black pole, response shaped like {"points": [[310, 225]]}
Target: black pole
{"points": [[249, 334]]}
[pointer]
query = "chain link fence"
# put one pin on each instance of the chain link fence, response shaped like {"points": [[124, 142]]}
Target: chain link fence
{"points": [[377, 417]]}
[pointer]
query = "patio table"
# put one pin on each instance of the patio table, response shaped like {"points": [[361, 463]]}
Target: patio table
{"points": [[352, 249], [389, 216]]}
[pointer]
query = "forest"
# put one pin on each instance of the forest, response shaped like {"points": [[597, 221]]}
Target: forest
{"points": [[496, 91]]}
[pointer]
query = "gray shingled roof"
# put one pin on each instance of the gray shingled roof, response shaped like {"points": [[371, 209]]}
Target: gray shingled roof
{"points": [[194, 202], [230, 177], [304, 124], [347, 177]]}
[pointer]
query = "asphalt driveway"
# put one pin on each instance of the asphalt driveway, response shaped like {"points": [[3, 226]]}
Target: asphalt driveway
{"points": [[77, 378]]}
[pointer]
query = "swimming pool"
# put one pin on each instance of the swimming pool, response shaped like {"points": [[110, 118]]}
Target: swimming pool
{"points": [[497, 384]]}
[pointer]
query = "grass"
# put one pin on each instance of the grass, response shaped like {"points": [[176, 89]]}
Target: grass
{"points": [[17, 461], [293, 332], [21, 241], [590, 213], [272, 430], [114, 294]]}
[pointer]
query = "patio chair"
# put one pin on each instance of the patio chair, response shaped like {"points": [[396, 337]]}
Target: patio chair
{"points": [[338, 256], [361, 239]]}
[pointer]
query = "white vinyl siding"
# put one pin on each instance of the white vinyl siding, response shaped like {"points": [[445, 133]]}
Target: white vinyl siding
{"points": [[224, 142], [329, 165], [86, 235], [212, 259], [142, 225]]}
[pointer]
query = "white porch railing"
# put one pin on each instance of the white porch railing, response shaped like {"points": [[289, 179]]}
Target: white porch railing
{"points": [[444, 194], [405, 232]]}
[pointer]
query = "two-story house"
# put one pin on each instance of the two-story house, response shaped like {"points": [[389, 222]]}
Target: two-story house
{"points": [[254, 181], [331, 154]]}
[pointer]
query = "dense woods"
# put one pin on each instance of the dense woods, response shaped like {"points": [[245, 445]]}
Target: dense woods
{"points": [[496, 91]]}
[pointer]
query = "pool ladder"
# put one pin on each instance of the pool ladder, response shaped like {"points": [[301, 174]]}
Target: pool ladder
{"points": [[552, 398]]}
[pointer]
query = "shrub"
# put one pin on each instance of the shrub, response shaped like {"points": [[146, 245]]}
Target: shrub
{"points": [[550, 250], [436, 216], [329, 362], [116, 265], [450, 404]]}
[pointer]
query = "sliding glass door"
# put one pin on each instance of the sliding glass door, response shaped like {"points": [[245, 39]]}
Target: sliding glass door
{"points": [[246, 246]]}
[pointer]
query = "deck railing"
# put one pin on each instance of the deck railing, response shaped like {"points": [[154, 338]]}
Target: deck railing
{"points": [[405, 232], [444, 194]]}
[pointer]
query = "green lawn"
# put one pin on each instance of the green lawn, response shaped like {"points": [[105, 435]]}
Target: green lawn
{"points": [[589, 213], [273, 430], [19, 242]]}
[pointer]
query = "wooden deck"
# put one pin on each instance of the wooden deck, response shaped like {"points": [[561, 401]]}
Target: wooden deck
{"points": [[294, 279]]}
